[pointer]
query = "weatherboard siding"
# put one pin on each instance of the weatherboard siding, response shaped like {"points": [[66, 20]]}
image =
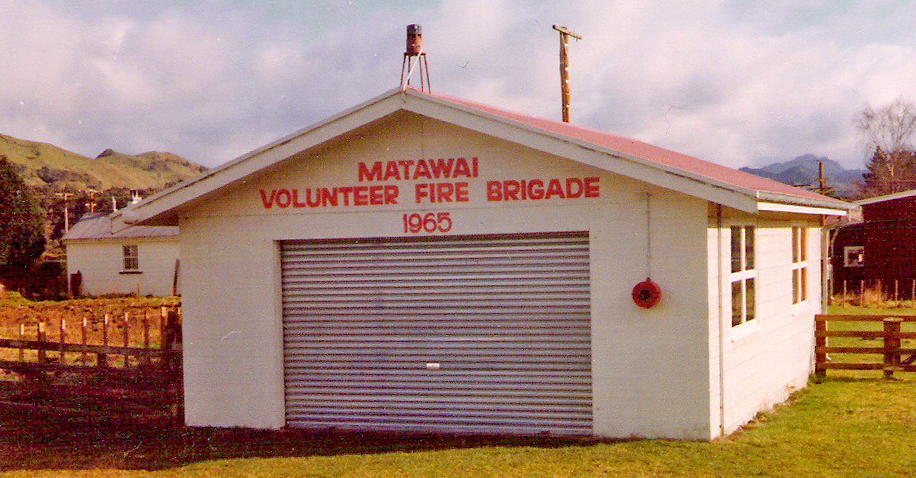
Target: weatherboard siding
{"points": [[764, 361], [101, 263], [649, 367]]}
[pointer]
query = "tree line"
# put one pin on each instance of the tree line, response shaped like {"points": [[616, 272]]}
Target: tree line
{"points": [[32, 222], [886, 135]]}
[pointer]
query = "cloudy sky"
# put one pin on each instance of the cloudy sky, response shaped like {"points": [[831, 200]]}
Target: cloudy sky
{"points": [[735, 82]]}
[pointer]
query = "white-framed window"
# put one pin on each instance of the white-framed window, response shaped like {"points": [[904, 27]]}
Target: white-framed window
{"points": [[799, 264], [743, 275], [854, 256], [131, 258]]}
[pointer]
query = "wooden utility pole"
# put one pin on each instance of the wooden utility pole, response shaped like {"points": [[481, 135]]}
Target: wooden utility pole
{"points": [[822, 177], [826, 270], [92, 201], [66, 197], [565, 33]]}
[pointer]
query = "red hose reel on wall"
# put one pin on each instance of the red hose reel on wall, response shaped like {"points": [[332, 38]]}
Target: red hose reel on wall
{"points": [[646, 294]]}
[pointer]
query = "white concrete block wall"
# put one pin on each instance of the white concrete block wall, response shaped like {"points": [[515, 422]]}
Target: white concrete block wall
{"points": [[101, 263], [650, 368]]}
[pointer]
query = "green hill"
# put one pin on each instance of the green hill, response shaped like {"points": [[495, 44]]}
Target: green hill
{"points": [[46, 165]]}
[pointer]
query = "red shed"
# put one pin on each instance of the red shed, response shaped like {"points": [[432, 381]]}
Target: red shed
{"points": [[880, 251]]}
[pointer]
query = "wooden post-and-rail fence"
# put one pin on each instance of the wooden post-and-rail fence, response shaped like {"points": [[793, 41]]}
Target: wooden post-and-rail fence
{"points": [[126, 372], [895, 356], [105, 344]]}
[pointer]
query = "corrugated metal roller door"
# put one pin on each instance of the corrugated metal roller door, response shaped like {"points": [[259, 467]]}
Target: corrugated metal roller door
{"points": [[477, 334]]}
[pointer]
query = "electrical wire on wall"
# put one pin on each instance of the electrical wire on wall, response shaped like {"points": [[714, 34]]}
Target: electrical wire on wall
{"points": [[647, 294], [648, 235]]}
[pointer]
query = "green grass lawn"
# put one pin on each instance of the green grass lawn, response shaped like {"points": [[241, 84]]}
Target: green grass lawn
{"points": [[848, 426], [843, 427]]}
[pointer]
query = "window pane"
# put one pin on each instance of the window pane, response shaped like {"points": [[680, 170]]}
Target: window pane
{"points": [[795, 244], [803, 243], [736, 248], [737, 303], [796, 282], [750, 296], [131, 261], [749, 247], [854, 256], [804, 283]]}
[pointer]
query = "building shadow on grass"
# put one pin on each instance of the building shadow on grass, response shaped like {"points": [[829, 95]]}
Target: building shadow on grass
{"points": [[31, 441]]}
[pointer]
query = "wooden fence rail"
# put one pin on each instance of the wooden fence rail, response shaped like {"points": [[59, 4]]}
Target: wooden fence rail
{"points": [[895, 357], [103, 348], [164, 358], [74, 354]]}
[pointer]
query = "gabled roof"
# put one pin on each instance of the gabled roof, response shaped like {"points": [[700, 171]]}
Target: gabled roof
{"points": [[98, 226], [627, 157], [886, 197]]}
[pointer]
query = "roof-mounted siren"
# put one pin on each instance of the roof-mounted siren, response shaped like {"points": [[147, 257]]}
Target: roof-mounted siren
{"points": [[415, 57]]}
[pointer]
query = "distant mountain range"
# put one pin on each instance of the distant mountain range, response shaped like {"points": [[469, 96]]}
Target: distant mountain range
{"points": [[804, 171], [46, 165]]}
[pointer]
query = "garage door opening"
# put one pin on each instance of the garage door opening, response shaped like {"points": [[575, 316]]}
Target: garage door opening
{"points": [[482, 334]]}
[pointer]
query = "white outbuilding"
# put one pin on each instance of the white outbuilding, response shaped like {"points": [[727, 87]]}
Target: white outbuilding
{"points": [[135, 260], [421, 262]]}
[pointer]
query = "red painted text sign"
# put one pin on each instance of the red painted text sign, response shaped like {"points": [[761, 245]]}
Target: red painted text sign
{"points": [[434, 181]]}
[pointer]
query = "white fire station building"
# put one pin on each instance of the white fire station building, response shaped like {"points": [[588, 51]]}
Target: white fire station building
{"points": [[421, 262]]}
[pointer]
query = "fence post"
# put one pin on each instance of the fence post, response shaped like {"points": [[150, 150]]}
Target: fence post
{"points": [[22, 341], [127, 338], [42, 355], [103, 358], [820, 356], [173, 342], [63, 340], [891, 345], [146, 358], [85, 340], [845, 296], [164, 311]]}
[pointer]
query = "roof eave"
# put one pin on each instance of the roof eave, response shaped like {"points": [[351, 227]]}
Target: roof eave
{"points": [[585, 152], [162, 208], [159, 208], [886, 197], [720, 192], [782, 202]]}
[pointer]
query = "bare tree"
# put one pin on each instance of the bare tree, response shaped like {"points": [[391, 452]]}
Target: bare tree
{"points": [[886, 135]]}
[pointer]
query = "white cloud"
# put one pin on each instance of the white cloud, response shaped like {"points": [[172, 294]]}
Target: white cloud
{"points": [[728, 81]]}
